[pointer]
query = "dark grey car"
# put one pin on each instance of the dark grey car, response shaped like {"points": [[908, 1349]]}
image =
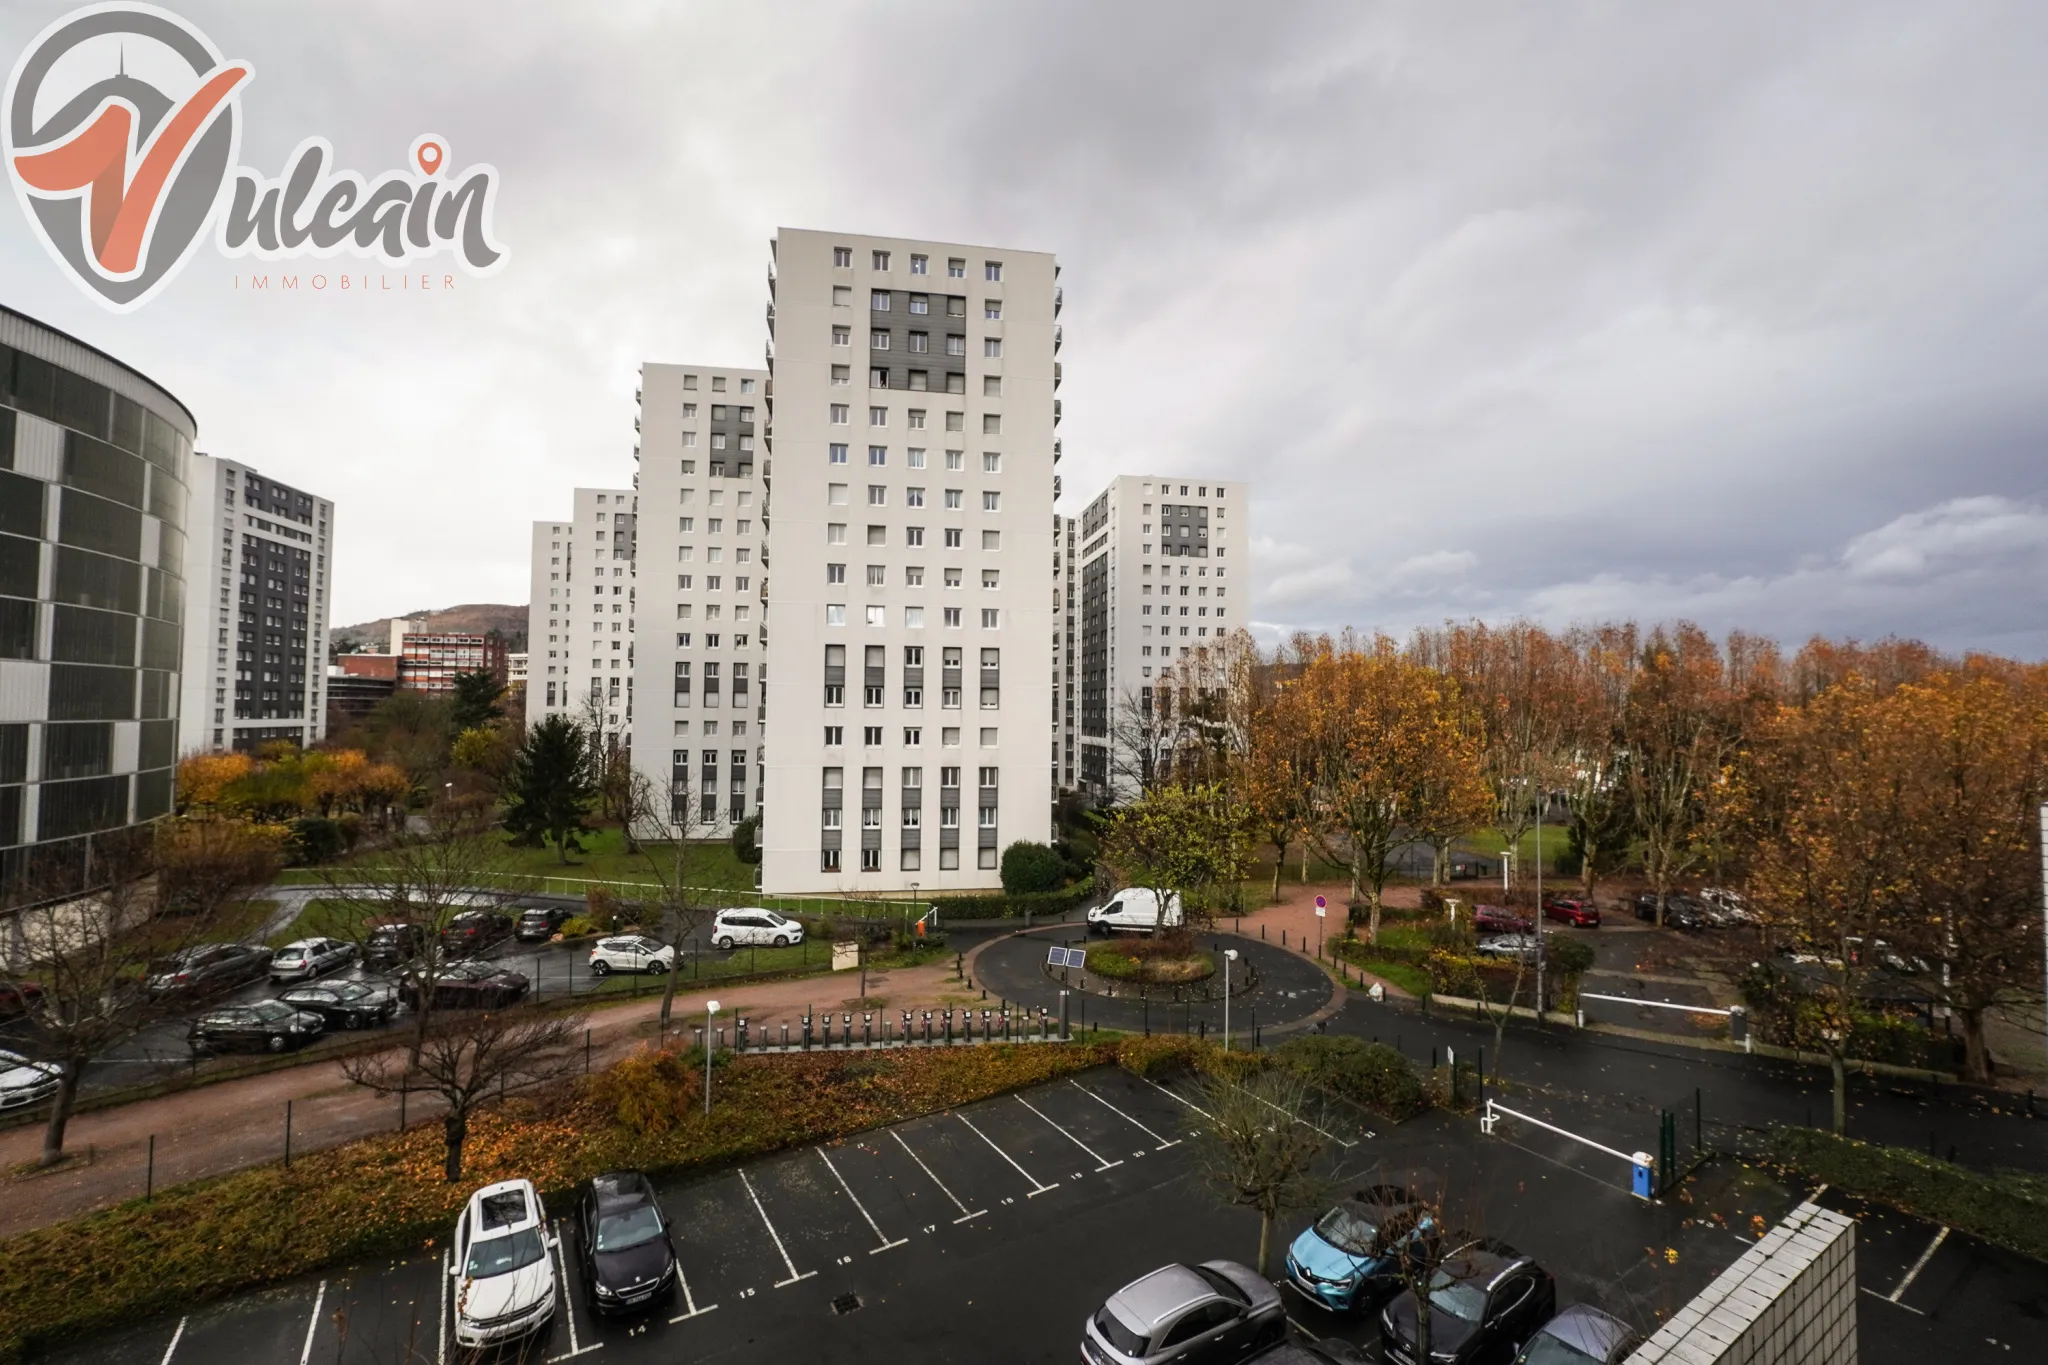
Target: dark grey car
{"points": [[1216, 1313]]}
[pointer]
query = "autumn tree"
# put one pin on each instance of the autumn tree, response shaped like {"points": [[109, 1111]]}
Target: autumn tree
{"points": [[1600, 814], [1677, 734], [207, 863], [1186, 840], [1274, 774]]}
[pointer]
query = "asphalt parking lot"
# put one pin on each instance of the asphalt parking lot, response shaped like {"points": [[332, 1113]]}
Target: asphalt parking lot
{"points": [[988, 1233]]}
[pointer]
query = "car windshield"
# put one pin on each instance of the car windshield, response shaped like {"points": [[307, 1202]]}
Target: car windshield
{"points": [[1116, 1334], [352, 990], [1459, 1298], [617, 1231], [1348, 1230], [1548, 1350], [501, 1255], [292, 953], [269, 1010]]}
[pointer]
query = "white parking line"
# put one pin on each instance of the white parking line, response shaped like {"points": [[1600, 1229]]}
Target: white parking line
{"points": [[1164, 1143], [1100, 1164], [1345, 1143], [1171, 1095], [1919, 1265], [784, 1251], [176, 1337], [879, 1234], [441, 1323], [1039, 1187], [319, 1300], [568, 1306], [964, 1214], [689, 1299]]}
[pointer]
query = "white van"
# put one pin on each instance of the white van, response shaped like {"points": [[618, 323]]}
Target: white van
{"points": [[1134, 910]]}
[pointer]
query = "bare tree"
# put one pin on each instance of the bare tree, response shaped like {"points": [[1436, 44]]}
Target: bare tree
{"points": [[1414, 1234], [661, 825], [1260, 1152], [464, 1059]]}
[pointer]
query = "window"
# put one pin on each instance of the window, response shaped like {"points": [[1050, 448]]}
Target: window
{"points": [[913, 617], [989, 578], [992, 310], [952, 578], [842, 336], [952, 618], [878, 340], [689, 440], [991, 424], [878, 535], [992, 271], [956, 421], [835, 494], [991, 386], [913, 536], [835, 614], [828, 859], [836, 453], [952, 537], [956, 268], [914, 457], [842, 256], [835, 573], [991, 619], [880, 260], [878, 456], [991, 501], [878, 378], [871, 737], [913, 497], [842, 375], [877, 616], [920, 343], [878, 417], [841, 414], [920, 305], [991, 540], [954, 499], [878, 300], [992, 348], [877, 574], [878, 495], [956, 345], [920, 265], [835, 735]]}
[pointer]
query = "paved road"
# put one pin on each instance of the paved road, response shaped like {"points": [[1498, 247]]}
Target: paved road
{"points": [[988, 1233]]}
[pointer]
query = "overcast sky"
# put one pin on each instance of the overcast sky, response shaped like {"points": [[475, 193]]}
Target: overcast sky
{"points": [[1727, 311]]}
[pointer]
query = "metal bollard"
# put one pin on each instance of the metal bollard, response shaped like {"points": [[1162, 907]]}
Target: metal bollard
{"points": [[907, 1036], [949, 1028], [785, 1035], [807, 1030], [927, 1027], [846, 1029], [867, 1029]]}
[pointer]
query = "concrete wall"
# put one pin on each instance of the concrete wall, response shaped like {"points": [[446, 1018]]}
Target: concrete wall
{"points": [[1789, 1300]]}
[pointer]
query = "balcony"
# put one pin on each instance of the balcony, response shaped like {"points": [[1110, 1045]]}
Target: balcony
{"points": [[1055, 374], [1055, 411], [1055, 450], [1059, 296], [1059, 335], [771, 319]]}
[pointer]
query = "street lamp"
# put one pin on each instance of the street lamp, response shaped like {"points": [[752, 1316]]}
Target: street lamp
{"points": [[710, 1008], [1229, 956]]}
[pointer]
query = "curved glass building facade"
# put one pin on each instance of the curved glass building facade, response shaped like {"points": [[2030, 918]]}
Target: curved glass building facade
{"points": [[93, 460]]}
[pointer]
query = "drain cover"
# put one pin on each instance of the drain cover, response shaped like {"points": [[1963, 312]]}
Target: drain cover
{"points": [[846, 1303]]}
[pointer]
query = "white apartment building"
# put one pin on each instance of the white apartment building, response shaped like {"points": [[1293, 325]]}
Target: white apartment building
{"points": [[1164, 570], [703, 591], [580, 618], [910, 660], [258, 559], [1066, 612]]}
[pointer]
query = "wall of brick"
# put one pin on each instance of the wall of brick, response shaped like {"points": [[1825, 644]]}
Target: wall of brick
{"points": [[1789, 1300]]}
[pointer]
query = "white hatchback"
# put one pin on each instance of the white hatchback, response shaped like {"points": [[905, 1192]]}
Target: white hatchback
{"points": [[505, 1283], [755, 927], [631, 953]]}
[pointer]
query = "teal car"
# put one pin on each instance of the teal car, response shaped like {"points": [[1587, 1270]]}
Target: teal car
{"points": [[1334, 1263]]}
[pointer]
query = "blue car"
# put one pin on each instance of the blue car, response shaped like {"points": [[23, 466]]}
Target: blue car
{"points": [[1332, 1262]]}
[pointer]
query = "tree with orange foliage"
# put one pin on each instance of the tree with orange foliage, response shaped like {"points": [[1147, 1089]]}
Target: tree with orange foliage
{"points": [[1677, 730], [210, 781]]}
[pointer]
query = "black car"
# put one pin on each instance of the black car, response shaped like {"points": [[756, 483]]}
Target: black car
{"points": [[474, 932], [207, 969], [1484, 1302], [1680, 912], [392, 944], [539, 923], [627, 1256], [266, 1026], [466, 985], [345, 1004], [1581, 1335]]}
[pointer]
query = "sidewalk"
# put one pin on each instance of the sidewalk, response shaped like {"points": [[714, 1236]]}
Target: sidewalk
{"points": [[214, 1129], [1293, 923]]}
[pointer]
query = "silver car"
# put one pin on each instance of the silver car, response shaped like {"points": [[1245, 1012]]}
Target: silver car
{"points": [[1216, 1313], [308, 958], [24, 1082]]}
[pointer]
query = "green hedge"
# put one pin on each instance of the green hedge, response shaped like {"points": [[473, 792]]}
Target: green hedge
{"points": [[2008, 1208], [1001, 906], [1368, 1074]]}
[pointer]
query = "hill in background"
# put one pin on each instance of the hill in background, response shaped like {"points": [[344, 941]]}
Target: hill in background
{"points": [[375, 636]]}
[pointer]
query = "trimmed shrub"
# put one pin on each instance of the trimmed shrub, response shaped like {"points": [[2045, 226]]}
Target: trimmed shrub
{"points": [[315, 839], [1368, 1074], [1031, 869], [1003, 906], [746, 840], [2009, 1208], [1568, 955]]}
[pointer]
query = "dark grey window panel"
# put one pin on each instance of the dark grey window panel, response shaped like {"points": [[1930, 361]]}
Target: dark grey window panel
{"points": [[81, 635], [10, 815], [77, 751], [13, 753], [127, 432], [871, 838], [6, 438], [170, 549], [156, 694], [99, 468], [159, 747], [79, 403], [83, 692], [96, 524], [912, 838], [913, 798], [871, 798], [68, 808], [167, 498], [986, 839], [21, 504], [17, 628], [949, 838], [153, 794], [162, 444], [20, 567], [160, 647], [830, 839]]}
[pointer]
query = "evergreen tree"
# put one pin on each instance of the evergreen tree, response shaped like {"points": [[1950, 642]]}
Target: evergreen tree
{"points": [[550, 787], [476, 700]]}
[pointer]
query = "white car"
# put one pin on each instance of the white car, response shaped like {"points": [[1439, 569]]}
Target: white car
{"points": [[24, 1083], [1510, 946], [1135, 910], [503, 1265], [309, 958], [752, 926], [631, 953]]}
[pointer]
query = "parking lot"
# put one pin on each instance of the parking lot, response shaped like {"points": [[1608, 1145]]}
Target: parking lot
{"points": [[991, 1231]]}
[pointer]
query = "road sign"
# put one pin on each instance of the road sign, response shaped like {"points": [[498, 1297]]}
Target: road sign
{"points": [[1322, 908]]}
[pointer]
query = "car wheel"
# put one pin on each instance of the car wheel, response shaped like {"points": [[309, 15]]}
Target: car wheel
{"points": [[600, 968], [723, 943], [782, 940], [277, 1041], [351, 1021]]}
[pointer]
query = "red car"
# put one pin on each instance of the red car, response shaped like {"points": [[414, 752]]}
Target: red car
{"points": [[1495, 919], [18, 998], [1581, 914]]}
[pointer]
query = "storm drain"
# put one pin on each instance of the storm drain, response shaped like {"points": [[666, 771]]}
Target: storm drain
{"points": [[846, 1303]]}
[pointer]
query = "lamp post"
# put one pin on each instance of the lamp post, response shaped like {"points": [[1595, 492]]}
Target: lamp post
{"points": [[710, 1008], [1229, 956]]}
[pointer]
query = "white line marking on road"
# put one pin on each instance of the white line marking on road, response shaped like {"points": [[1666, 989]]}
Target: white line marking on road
{"points": [[1814, 1198], [783, 1251], [1341, 1142], [568, 1304], [964, 1214], [1563, 1166], [1303, 1330], [1040, 1188], [1882, 1298], [1170, 1094], [320, 1300], [1164, 1143], [176, 1337], [689, 1299], [1100, 1164], [1919, 1265], [441, 1327], [880, 1236]]}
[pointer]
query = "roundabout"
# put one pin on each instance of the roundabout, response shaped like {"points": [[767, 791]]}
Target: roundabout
{"points": [[1270, 987]]}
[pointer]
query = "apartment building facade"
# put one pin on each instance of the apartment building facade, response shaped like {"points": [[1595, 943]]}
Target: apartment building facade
{"points": [[580, 618], [258, 562], [700, 656], [1066, 612], [430, 660], [1164, 572], [910, 658]]}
